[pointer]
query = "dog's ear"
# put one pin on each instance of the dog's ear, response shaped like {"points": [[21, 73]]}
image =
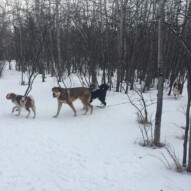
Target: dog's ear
{"points": [[56, 89]]}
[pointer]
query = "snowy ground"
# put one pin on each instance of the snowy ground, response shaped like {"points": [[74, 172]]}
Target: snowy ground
{"points": [[98, 152]]}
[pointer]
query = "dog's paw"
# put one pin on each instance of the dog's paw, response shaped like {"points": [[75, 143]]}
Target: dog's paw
{"points": [[55, 116]]}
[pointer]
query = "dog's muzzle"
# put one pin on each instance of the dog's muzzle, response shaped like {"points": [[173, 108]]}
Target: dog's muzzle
{"points": [[7, 96], [54, 95]]}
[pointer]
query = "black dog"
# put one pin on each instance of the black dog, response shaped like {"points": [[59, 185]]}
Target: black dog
{"points": [[100, 93]]}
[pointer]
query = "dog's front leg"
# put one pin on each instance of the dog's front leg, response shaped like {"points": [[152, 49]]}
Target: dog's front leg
{"points": [[58, 110], [14, 109], [19, 111]]}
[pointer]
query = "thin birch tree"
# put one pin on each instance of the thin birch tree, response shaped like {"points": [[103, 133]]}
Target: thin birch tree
{"points": [[161, 33]]}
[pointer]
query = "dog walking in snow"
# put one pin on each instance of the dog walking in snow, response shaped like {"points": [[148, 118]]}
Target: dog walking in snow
{"points": [[100, 93], [177, 89], [20, 101], [69, 95]]}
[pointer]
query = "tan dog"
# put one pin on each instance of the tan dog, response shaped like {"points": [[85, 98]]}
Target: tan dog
{"points": [[68, 95], [20, 101]]}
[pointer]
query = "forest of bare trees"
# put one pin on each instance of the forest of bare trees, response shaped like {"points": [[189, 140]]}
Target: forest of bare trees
{"points": [[83, 36]]}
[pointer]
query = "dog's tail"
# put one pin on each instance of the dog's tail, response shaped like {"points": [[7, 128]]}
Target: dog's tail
{"points": [[32, 98], [28, 98]]}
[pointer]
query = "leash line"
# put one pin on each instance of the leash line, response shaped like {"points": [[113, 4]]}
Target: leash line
{"points": [[118, 104]]}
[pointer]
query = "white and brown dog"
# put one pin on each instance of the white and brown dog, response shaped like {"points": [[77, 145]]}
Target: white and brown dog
{"points": [[177, 89], [20, 101]]}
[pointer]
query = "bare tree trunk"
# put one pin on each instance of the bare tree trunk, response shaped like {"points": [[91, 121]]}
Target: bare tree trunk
{"points": [[120, 46], [52, 61], [160, 73], [187, 124], [189, 150], [58, 41], [20, 60], [133, 60]]}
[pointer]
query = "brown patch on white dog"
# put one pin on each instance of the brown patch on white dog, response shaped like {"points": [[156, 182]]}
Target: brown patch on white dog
{"points": [[20, 101], [69, 95]]}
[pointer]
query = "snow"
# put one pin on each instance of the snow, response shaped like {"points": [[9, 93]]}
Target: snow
{"points": [[98, 152]]}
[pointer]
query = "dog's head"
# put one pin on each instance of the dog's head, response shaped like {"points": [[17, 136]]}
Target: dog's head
{"points": [[92, 86], [56, 91], [176, 87], [11, 96], [175, 84], [104, 87]]}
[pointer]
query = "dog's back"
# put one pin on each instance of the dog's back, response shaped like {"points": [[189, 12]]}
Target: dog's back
{"points": [[78, 91]]}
